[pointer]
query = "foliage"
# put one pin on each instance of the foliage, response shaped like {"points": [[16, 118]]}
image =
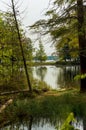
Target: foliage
{"points": [[66, 24], [28, 48], [61, 24], [67, 124], [82, 76], [10, 52], [66, 52], [40, 53]]}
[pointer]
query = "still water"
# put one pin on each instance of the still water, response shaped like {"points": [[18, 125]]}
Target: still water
{"points": [[41, 125], [57, 77]]}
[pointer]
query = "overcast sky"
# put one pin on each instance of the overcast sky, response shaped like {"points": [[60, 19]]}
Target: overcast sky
{"points": [[31, 10]]}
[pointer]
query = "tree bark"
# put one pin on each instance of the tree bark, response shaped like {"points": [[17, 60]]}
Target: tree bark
{"points": [[82, 42], [21, 47]]}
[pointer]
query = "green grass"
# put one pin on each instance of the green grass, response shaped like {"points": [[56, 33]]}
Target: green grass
{"points": [[40, 63], [51, 105]]}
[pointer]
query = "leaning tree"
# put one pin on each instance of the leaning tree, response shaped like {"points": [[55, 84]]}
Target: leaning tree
{"points": [[21, 46]]}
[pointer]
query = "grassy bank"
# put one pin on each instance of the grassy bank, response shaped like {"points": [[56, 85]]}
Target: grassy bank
{"points": [[52, 105], [57, 63], [40, 63], [67, 63]]}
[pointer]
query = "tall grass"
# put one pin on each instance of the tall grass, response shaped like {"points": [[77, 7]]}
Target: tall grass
{"points": [[51, 107]]}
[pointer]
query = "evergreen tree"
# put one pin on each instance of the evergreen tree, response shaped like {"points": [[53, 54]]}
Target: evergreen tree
{"points": [[40, 54]]}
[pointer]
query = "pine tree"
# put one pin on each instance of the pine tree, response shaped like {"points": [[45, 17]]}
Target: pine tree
{"points": [[40, 54]]}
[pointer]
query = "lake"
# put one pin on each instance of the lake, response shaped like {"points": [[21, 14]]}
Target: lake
{"points": [[57, 77]]}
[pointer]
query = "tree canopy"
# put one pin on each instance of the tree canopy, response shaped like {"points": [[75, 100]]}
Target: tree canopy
{"points": [[66, 25]]}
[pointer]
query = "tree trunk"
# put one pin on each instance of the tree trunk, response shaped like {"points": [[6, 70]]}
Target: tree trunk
{"points": [[82, 42], [21, 47]]}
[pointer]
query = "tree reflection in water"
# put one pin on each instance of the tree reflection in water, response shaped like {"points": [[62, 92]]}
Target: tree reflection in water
{"points": [[57, 77], [66, 77], [41, 72]]}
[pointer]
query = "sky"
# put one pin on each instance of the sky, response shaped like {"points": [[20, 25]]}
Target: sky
{"points": [[30, 12]]}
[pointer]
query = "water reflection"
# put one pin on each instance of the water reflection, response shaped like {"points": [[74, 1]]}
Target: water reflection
{"points": [[30, 125], [42, 124], [66, 77], [57, 77], [41, 72]]}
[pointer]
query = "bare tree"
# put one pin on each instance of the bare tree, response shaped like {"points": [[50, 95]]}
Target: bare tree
{"points": [[21, 47]]}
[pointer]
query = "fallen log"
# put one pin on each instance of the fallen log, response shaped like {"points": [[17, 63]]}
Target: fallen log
{"points": [[13, 92], [5, 105]]}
